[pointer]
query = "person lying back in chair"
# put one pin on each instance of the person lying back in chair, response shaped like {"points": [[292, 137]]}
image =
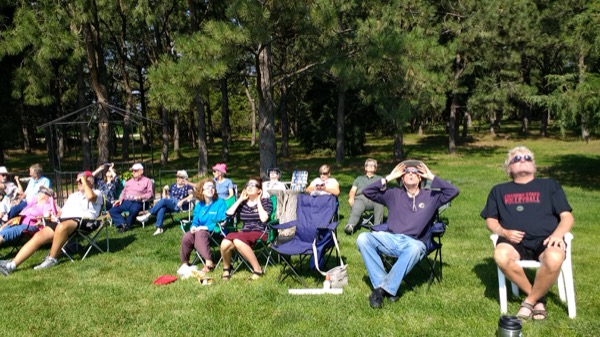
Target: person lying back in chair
{"points": [[29, 218], [411, 211], [81, 205], [530, 216]]}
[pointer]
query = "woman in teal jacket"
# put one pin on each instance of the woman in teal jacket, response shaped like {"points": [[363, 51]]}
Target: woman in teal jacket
{"points": [[208, 211]]}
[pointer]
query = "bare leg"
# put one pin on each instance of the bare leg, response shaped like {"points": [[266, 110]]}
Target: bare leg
{"points": [[551, 260], [506, 256], [39, 239], [61, 235], [227, 248], [248, 254]]}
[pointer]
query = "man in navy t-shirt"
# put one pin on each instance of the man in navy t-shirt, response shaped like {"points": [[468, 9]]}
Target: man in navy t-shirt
{"points": [[530, 217]]}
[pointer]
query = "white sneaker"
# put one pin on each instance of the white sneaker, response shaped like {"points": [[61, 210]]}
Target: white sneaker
{"points": [[184, 271], [159, 231], [144, 218], [48, 262]]}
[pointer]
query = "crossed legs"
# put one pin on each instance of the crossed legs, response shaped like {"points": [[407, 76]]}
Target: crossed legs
{"points": [[551, 260]]}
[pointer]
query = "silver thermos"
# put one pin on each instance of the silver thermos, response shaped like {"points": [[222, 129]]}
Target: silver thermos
{"points": [[509, 326]]}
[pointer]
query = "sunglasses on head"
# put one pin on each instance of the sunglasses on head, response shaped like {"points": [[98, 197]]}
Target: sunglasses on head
{"points": [[519, 157]]}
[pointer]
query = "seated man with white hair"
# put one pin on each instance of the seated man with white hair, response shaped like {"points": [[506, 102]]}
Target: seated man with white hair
{"points": [[174, 199], [136, 192]]}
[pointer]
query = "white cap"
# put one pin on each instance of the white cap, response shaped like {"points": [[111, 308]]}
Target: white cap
{"points": [[137, 166], [182, 173]]}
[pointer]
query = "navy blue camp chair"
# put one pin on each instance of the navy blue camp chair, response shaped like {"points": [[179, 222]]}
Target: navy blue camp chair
{"points": [[314, 226]]}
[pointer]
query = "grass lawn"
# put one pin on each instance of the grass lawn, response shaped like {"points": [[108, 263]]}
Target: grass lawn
{"points": [[112, 294]]}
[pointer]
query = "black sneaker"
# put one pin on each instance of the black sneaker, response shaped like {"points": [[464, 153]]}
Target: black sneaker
{"points": [[123, 229], [376, 298]]}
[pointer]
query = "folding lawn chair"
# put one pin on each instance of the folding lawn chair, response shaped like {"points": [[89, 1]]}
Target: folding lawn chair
{"points": [[261, 247], [299, 181], [314, 228], [222, 228], [565, 283], [433, 254], [88, 232]]}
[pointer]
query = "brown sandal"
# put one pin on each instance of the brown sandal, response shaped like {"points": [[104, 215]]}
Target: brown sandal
{"points": [[528, 307], [539, 314]]}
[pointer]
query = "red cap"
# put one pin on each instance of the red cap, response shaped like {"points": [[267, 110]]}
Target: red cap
{"points": [[85, 174]]}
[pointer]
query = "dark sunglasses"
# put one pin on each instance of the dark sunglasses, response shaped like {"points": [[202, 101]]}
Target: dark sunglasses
{"points": [[411, 170], [323, 173], [252, 185], [3, 175], [519, 157]]}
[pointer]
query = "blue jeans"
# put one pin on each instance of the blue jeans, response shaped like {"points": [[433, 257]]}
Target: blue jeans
{"points": [[409, 252], [11, 233], [163, 206], [16, 209], [133, 207]]}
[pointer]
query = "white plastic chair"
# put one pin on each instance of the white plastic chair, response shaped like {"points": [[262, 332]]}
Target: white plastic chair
{"points": [[566, 286]]}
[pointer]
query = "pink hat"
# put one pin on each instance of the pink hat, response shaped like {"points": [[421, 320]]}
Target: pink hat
{"points": [[85, 174], [221, 167]]}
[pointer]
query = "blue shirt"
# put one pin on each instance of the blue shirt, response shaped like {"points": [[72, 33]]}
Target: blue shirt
{"points": [[180, 192], [34, 185], [209, 215], [223, 188]]}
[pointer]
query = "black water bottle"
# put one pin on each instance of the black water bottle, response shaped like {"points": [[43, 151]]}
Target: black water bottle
{"points": [[509, 326]]}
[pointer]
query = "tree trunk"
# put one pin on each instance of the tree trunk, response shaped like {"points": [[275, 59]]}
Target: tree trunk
{"points": [[466, 125], [176, 148], [266, 111], [339, 134], [585, 130], [284, 150], [209, 123], [164, 154], [191, 127], [544, 125], [97, 70], [202, 148], [143, 107], [452, 124], [86, 144], [398, 145], [253, 110], [225, 128]]}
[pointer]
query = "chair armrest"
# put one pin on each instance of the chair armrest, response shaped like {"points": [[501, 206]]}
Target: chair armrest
{"points": [[330, 226], [285, 225], [380, 228]]}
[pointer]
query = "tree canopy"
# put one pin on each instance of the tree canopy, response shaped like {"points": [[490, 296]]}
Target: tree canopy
{"points": [[326, 72]]}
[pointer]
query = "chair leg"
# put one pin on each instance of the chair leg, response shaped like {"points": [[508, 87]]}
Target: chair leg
{"points": [[502, 296], [569, 285]]}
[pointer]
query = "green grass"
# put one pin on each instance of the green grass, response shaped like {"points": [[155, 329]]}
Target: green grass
{"points": [[112, 294]]}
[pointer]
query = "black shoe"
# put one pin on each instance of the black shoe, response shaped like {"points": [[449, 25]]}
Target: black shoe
{"points": [[376, 298], [123, 229], [393, 298]]}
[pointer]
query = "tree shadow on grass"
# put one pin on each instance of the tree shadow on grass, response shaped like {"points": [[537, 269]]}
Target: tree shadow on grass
{"points": [[575, 170]]}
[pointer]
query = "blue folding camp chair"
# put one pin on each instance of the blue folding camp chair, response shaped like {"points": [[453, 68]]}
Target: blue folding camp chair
{"points": [[314, 227]]}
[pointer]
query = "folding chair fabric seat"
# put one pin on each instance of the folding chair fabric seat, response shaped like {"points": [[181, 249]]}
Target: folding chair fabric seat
{"points": [[565, 283], [314, 226], [90, 237]]}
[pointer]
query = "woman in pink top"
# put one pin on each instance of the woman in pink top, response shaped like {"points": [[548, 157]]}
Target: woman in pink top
{"points": [[43, 205]]}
